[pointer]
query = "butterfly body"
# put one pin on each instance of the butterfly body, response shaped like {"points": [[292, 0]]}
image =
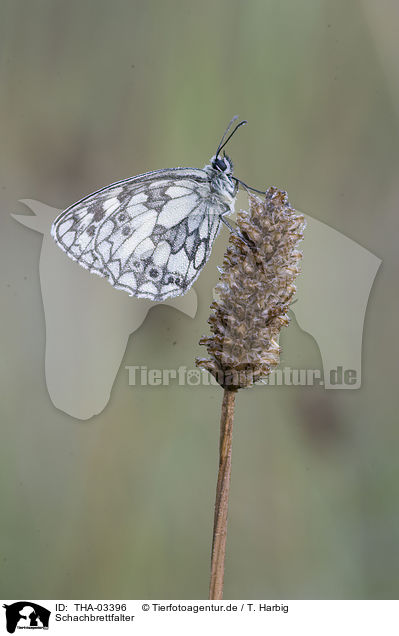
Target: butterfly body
{"points": [[150, 235]]}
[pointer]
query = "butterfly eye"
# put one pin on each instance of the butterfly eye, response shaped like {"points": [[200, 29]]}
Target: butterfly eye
{"points": [[220, 164]]}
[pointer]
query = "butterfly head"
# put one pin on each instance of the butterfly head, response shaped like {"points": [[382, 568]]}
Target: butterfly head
{"points": [[222, 164], [220, 172], [220, 168]]}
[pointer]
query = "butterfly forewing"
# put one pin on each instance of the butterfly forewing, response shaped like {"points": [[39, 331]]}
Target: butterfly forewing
{"points": [[149, 235]]}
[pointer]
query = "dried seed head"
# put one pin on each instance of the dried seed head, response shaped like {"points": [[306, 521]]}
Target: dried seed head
{"points": [[254, 292]]}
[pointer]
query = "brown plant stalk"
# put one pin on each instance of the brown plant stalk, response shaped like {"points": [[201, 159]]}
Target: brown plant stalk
{"points": [[222, 496], [254, 292]]}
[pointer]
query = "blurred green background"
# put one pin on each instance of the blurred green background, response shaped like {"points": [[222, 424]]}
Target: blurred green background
{"points": [[121, 506]]}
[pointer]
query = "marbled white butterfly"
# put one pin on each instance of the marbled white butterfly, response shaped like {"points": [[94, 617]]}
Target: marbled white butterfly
{"points": [[152, 234]]}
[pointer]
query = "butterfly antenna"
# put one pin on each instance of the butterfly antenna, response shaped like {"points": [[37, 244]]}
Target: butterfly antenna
{"points": [[247, 187], [226, 131], [223, 142]]}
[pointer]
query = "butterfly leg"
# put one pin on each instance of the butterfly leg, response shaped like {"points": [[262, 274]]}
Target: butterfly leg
{"points": [[236, 231], [227, 224]]}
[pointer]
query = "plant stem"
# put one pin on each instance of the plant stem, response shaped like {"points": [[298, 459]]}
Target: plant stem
{"points": [[222, 496]]}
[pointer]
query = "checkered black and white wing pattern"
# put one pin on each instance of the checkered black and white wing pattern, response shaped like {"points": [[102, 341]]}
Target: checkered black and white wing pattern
{"points": [[149, 235]]}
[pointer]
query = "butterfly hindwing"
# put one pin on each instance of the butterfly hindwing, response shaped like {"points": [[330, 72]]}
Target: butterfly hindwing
{"points": [[75, 229], [149, 235]]}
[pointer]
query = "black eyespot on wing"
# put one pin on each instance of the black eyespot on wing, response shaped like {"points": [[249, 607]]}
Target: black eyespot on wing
{"points": [[153, 272]]}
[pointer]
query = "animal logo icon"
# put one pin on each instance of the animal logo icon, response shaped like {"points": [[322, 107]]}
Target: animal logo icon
{"points": [[25, 614]]}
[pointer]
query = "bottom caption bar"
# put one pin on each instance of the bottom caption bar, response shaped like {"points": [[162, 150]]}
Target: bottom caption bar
{"points": [[150, 616]]}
